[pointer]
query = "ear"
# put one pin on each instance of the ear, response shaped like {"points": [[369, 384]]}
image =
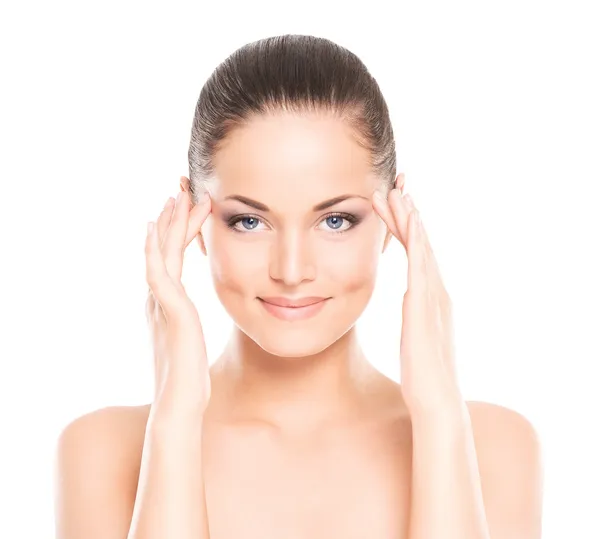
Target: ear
{"points": [[399, 183], [184, 185]]}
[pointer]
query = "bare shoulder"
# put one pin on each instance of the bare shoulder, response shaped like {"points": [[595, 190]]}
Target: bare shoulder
{"points": [[504, 437], [510, 461], [97, 463], [493, 422], [110, 428]]}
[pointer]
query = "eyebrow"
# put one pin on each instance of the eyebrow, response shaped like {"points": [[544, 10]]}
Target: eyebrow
{"points": [[319, 207]]}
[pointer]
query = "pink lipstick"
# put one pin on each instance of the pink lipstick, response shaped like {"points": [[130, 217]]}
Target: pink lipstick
{"points": [[293, 309]]}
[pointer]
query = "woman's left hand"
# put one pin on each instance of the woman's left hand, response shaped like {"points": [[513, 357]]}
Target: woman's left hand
{"points": [[428, 371]]}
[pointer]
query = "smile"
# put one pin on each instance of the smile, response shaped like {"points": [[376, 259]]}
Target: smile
{"points": [[293, 313]]}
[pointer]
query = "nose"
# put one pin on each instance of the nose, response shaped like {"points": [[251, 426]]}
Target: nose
{"points": [[291, 260]]}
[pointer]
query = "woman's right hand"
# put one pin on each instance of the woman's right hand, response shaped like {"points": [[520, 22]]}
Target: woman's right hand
{"points": [[182, 382]]}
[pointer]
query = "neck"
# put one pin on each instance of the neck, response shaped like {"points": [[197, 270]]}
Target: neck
{"points": [[296, 393]]}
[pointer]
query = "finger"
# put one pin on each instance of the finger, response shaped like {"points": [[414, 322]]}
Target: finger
{"points": [[382, 209], [156, 272], [164, 219], [434, 277], [197, 218], [149, 308], [414, 318], [400, 211], [417, 262], [173, 243], [162, 224]]}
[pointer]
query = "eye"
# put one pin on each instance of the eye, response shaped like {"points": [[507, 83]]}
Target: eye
{"points": [[335, 222], [248, 223]]}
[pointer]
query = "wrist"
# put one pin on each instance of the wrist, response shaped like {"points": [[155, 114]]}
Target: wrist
{"points": [[444, 412], [176, 418]]}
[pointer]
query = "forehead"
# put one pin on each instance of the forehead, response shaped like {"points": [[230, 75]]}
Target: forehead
{"points": [[313, 156]]}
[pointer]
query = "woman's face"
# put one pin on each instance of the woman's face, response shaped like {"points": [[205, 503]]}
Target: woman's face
{"points": [[286, 246]]}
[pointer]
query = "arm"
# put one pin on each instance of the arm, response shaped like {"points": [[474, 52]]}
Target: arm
{"points": [[171, 499], [98, 469], [494, 493], [491, 493], [94, 488], [170, 502]]}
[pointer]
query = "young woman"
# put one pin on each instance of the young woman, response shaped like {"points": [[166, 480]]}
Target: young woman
{"points": [[291, 432]]}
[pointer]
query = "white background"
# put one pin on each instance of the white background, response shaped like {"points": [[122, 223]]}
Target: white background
{"points": [[496, 117]]}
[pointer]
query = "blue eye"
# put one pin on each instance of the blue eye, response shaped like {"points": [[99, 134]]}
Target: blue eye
{"points": [[335, 222], [252, 222], [249, 223]]}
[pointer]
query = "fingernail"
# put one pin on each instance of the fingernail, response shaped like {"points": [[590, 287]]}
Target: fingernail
{"points": [[168, 202], [408, 200]]}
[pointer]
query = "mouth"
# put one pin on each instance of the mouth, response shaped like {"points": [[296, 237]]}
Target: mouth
{"points": [[291, 311]]}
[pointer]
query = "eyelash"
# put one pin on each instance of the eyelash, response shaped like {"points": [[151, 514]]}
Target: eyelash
{"points": [[352, 219]]}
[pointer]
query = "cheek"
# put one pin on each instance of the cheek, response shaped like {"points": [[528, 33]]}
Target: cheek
{"points": [[353, 262], [349, 264], [236, 267]]}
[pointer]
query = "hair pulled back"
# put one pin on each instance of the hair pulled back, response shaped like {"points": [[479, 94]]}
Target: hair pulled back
{"points": [[290, 73]]}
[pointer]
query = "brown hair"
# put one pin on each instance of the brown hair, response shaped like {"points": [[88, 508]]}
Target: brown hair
{"points": [[295, 73]]}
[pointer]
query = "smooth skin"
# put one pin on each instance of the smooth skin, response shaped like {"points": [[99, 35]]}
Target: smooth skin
{"points": [[293, 433]]}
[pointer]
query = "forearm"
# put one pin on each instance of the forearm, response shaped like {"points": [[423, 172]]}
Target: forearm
{"points": [[447, 501], [170, 500]]}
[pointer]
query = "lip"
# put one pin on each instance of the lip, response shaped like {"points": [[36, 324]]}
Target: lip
{"points": [[289, 302], [311, 308]]}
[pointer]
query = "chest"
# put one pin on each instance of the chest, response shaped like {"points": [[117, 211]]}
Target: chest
{"points": [[345, 486]]}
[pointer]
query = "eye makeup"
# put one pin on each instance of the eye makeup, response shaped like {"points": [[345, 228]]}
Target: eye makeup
{"points": [[232, 220]]}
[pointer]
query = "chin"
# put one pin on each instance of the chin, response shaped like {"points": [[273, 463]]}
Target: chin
{"points": [[292, 344], [299, 338]]}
